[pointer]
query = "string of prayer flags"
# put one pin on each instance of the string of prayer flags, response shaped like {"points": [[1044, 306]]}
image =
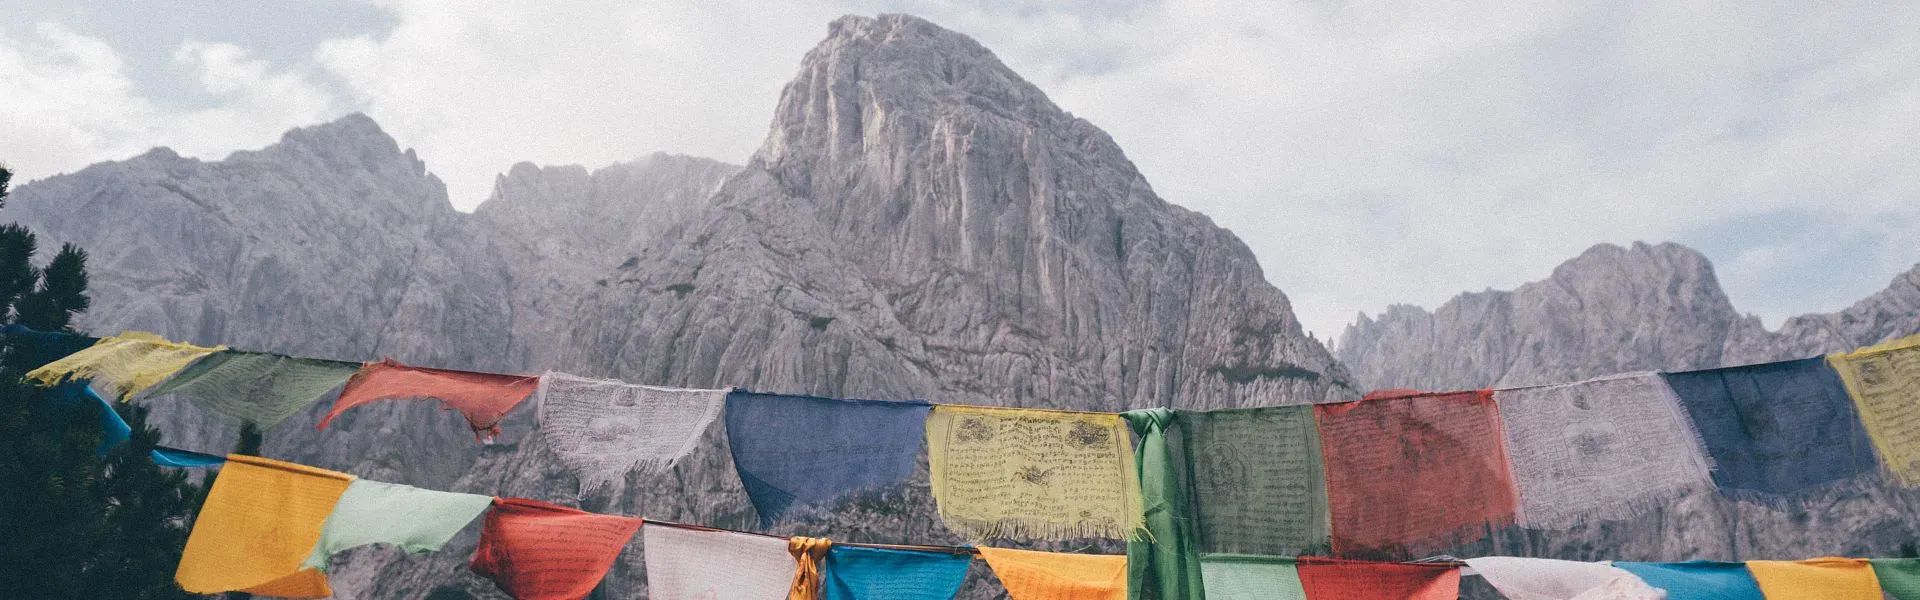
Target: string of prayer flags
{"points": [[256, 528], [1544, 578], [261, 388], [534, 550], [124, 365], [78, 396], [1164, 559], [1031, 575], [1884, 381], [1251, 577], [483, 398], [1257, 480], [1341, 579], [1775, 428], [1406, 469], [808, 553], [1697, 580], [184, 459], [799, 450], [1001, 472], [34, 348], [1600, 448], [416, 520], [602, 429], [690, 564], [1899, 577], [859, 573], [1823, 578]]}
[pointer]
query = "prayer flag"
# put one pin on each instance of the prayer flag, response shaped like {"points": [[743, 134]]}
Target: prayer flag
{"points": [[1600, 448], [689, 564], [1164, 560], [1775, 428], [483, 398], [1251, 577], [1005, 472], [124, 365], [798, 450], [259, 523], [416, 520], [533, 550], [858, 573], [1697, 580], [1407, 470], [175, 457], [1899, 577], [1544, 578], [257, 387], [602, 429], [808, 553], [1328, 579], [1823, 578], [1031, 575], [1257, 479], [1884, 382]]}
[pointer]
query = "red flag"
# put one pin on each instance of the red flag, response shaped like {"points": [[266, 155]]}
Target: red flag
{"points": [[1407, 470], [1328, 579], [533, 550], [482, 397]]}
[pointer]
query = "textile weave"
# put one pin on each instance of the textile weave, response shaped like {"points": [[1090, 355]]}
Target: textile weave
{"points": [[124, 365], [686, 564], [1409, 471], [483, 398], [1697, 580], [602, 429], [1822, 578], [1031, 575], [799, 450], [1325, 579], [1544, 578], [1251, 577], [857, 573], [1884, 382], [1163, 563], [1002, 472], [1257, 479], [1601, 448], [1899, 577], [1775, 428], [257, 526], [533, 550], [257, 387], [416, 520]]}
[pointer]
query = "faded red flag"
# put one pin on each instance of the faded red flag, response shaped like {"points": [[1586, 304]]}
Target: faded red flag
{"points": [[1328, 579], [534, 550], [483, 398]]}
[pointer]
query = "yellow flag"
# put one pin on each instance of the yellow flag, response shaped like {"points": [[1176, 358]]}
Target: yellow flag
{"points": [[123, 365], [1824, 578], [1884, 381], [1030, 575], [259, 523], [1005, 472]]}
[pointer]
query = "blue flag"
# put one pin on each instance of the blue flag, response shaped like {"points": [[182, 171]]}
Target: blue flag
{"points": [[857, 573], [1698, 580], [174, 457], [1777, 427], [803, 449]]}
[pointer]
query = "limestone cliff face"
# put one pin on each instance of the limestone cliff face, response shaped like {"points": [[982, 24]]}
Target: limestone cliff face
{"points": [[1615, 309], [921, 222]]}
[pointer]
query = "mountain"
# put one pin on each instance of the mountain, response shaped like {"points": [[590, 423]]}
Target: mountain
{"points": [[1647, 307], [920, 222]]}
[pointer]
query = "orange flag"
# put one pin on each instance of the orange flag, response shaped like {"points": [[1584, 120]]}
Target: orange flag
{"points": [[1030, 575], [1824, 578], [534, 550], [483, 398], [258, 524], [1330, 579]]}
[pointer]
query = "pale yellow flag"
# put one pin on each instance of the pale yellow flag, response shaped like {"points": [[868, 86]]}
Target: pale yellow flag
{"points": [[1884, 381], [1004, 472], [123, 365], [259, 523]]}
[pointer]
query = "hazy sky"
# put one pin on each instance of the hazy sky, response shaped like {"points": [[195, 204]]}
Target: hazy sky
{"points": [[1370, 154]]}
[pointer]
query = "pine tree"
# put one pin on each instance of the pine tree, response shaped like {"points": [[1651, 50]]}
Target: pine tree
{"points": [[75, 523]]}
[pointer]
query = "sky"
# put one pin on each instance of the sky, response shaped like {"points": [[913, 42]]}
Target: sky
{"points": [[1369, 153]]}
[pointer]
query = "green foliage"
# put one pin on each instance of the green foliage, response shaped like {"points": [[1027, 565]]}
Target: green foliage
{"points": [[75, 523]]}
